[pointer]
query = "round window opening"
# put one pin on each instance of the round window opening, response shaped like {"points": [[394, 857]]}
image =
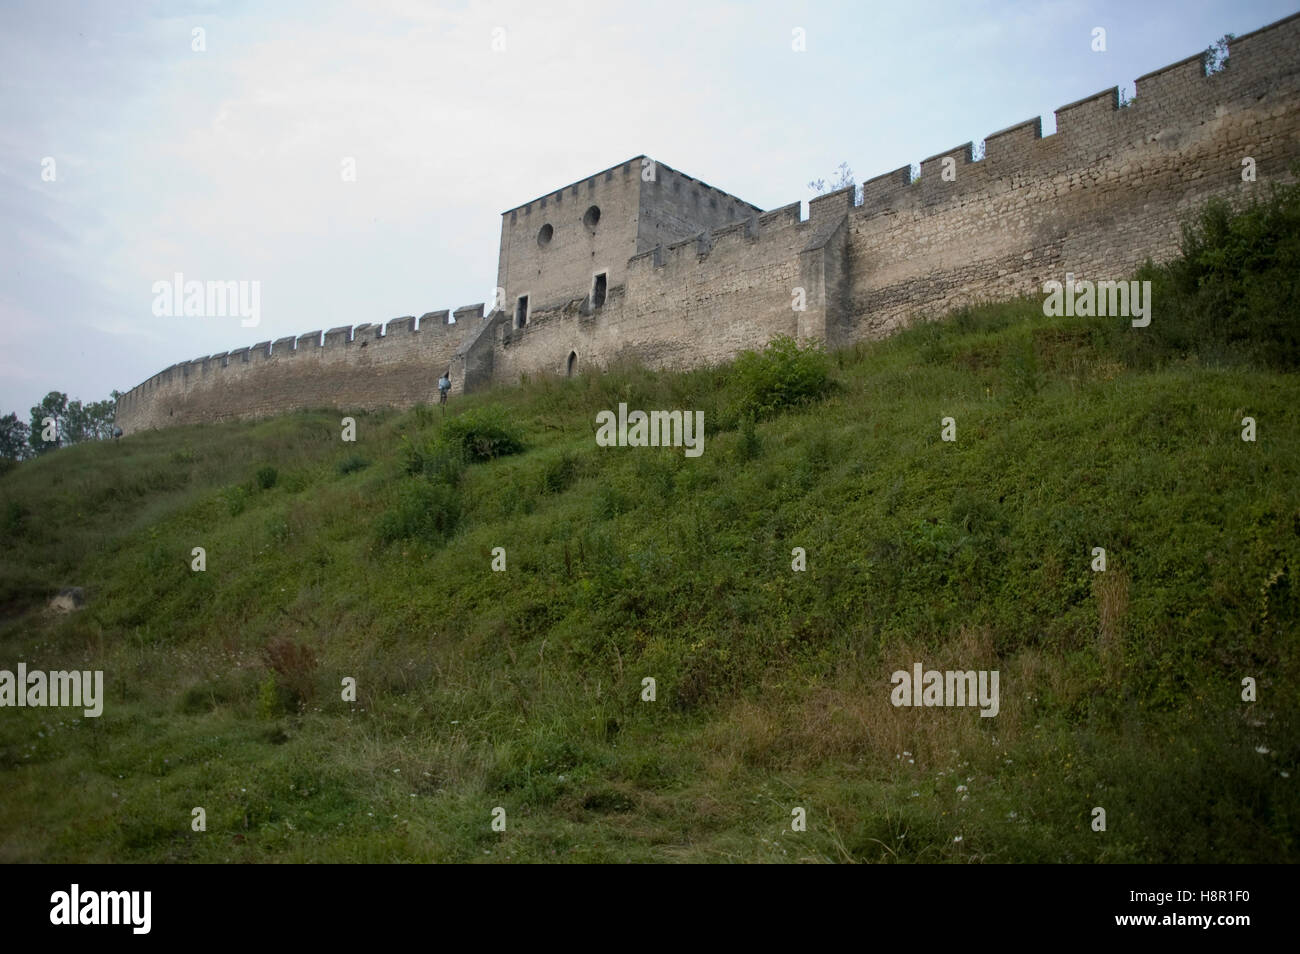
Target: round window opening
{"points": [[592, 218], [545, 235]]}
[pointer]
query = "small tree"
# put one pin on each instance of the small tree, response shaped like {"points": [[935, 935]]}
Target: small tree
{"points": [[1216, 54], [842, 179], [74, 422], [100, 416], [53, 405], [14, 435]]}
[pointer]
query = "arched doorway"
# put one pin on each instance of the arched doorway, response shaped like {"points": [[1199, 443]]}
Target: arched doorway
{"points": [[573, 363]]}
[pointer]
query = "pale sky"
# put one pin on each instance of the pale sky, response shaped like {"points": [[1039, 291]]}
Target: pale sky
{"points": [[225, 164]]}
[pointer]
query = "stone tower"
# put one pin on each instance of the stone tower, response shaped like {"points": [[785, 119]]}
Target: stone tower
{"points": [[575, 243]]}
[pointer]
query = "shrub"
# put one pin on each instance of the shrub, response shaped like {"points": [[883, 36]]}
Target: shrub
{"points": [[271, 698], [1235, 290], [436, 461], [296, 481], [236, 499], [293, 665], [266, 477], [782, 375], [424, 511], [482, 434]]}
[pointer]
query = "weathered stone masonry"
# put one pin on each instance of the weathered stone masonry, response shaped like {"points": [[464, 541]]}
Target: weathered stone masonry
{"points": [[693, 275]]}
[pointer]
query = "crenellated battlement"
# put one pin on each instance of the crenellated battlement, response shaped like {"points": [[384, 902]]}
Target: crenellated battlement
{"points": [[1095, 126], [202, 387], [885, 191]]}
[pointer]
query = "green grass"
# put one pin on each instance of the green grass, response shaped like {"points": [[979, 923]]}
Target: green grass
{"points": [[522, 689]]}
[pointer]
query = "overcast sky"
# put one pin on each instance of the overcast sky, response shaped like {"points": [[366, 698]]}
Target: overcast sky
{"points": [[225, 164]]}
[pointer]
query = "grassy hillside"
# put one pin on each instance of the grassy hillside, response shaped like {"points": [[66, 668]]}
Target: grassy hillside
{"points": [[522, 689]]}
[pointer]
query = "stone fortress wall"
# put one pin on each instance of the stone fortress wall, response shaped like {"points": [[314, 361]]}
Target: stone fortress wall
{"points": [[695, 275], [363, 367]]}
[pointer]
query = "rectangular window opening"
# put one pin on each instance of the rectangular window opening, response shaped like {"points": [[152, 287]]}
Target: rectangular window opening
{"points": [[521, 312], [598, 291]]}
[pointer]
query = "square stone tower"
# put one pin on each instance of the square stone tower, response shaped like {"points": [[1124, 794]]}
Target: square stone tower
{"points": [[575, 243]]}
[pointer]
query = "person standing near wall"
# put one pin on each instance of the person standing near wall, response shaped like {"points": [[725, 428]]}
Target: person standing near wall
{"points": [[444, 386]]}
